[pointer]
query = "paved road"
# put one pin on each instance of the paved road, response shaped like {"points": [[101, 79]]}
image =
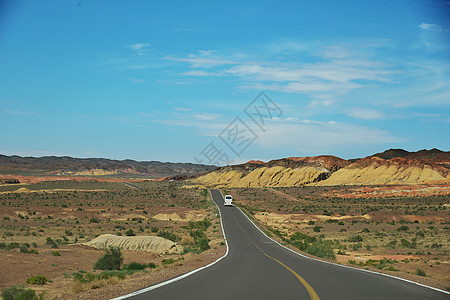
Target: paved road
{"points": [[258, 268]]}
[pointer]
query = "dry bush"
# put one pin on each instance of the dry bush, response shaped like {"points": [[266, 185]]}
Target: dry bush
{"points": [[187, 240], [78, 286]]}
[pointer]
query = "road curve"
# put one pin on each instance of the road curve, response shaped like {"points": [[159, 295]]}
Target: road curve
{"points": [[258, 268]]}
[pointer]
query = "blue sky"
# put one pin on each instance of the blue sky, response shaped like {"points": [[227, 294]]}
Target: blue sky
{"points": [[160, 80]]}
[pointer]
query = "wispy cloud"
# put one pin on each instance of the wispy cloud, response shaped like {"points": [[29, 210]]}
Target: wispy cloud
{"points": [[19, 113], [365, 113], [321, 135], [204, 58], [136, 80], [333, 70], [430, 26], [179, 116], [183, 109], [202, 73], [138, 46], [206, 116]]}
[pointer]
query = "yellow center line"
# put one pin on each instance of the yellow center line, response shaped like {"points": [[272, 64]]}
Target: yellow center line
{"points": [[312, 293]]}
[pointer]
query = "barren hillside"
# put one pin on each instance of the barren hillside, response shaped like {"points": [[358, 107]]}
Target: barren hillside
{"points": [[394, 166]]}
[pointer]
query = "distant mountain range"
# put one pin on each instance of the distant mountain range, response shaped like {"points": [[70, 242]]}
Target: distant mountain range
{"points": [[393, 166], [53, 165]]}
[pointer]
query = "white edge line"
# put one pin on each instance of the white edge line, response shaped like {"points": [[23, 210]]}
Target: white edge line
{"points": [[144, 290], [343, 266]]}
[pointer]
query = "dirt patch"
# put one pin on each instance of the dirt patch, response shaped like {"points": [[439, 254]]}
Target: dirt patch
{"points": [[187, 216]]}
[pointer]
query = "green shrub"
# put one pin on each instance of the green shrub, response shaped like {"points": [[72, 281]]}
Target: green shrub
{"points": [[37, 279], [403, 228], [198, 234], [151, 265], [202, 225], [436, 246], [322, 249], [154, 229], [134, 266], [51, 242], [19, 293], [392, 244], [168, 235], [299, 236], [168, 261], [203, 244], [420, 272], [112, 260], [356, 246], [317, 228], [355, 238], [130, 232], [56, 253]]}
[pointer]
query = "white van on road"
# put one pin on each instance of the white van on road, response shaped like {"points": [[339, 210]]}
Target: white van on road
{"points": [[227, 201]]}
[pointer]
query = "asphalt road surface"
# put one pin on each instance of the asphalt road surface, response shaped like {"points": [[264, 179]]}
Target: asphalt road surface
{"points": [[258, 268]]}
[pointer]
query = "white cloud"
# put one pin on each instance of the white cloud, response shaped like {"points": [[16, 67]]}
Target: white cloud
{"points": [[204, 58], [336, 75], [138, 46], [321, 102], [287, 47], [183, 109], [429, 26], [318, 135], [145, 114], [206, 116], [198, 61], [136, 80], [202, 73], [365, 113]]}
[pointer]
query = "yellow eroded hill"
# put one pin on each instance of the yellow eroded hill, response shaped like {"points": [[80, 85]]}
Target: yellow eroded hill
{"points": [[277, 176], [383, 174], [136, 243], [95, 172]]}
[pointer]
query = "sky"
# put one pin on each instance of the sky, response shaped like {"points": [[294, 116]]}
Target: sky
{"points": [[223, 82]]}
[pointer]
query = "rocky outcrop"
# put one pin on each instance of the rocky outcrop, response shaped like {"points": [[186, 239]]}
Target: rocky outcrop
{"points": [[136, 243]]}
